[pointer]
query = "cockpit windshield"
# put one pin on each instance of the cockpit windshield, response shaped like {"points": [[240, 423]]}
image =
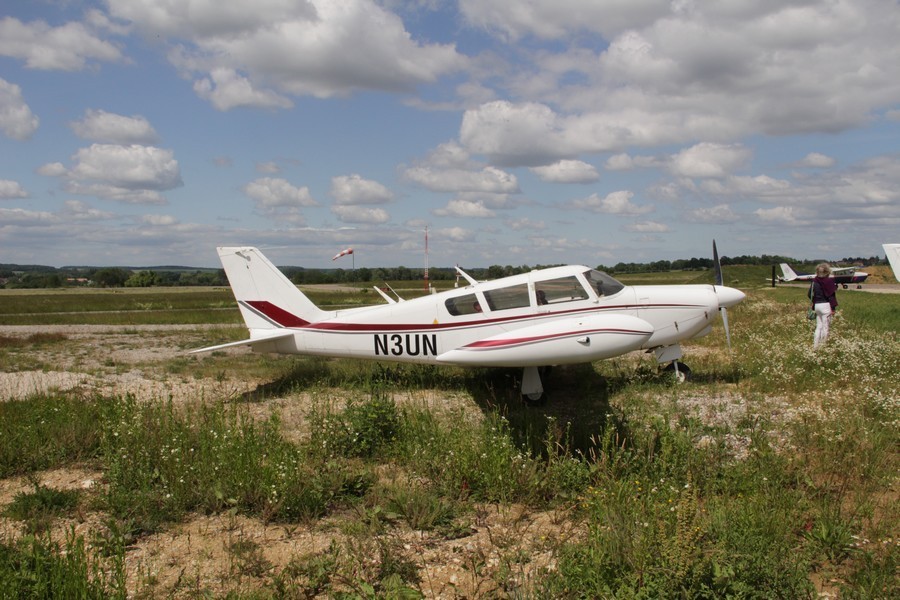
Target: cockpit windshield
{"points": [[602, 283]]}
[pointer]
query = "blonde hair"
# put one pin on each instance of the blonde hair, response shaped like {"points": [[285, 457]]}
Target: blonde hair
{"points": [[823, 270]]}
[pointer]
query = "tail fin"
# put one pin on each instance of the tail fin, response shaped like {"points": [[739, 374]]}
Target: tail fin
{"points": [[267, 299], [788, 272], [892, 251]]}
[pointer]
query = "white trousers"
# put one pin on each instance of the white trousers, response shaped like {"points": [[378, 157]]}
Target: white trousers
{"points": [[823, 323]]}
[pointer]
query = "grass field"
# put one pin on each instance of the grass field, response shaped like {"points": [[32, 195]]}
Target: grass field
{"points": [[136, 473]]}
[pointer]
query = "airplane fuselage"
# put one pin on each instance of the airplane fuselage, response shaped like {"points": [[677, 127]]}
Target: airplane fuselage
{"points": [[555, 316], [578, 326]]}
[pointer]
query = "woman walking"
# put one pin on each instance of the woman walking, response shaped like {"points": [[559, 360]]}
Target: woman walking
{"points": [[823, 292]]}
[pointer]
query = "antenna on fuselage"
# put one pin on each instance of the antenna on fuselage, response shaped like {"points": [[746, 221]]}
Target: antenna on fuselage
{"points": [[466, 275]]}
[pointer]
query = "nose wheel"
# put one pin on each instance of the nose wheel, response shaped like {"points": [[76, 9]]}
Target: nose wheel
{"points": [[679, 370], [532, 388]]}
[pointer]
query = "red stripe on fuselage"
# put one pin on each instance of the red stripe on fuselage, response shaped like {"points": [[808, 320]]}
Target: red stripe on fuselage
{"points": [[491, 344], [286, 319], [276, 314]]}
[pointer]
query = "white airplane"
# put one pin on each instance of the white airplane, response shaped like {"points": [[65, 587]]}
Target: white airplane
{"points": [[841, 275], [892, 251], [554, 316]]}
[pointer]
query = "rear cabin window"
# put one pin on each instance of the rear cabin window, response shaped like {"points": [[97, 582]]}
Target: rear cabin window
{"points": [[463, 305], [564, 289], [514, 296]]}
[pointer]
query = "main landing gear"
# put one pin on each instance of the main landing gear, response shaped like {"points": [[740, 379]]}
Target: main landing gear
{"points": [[672, 355]]}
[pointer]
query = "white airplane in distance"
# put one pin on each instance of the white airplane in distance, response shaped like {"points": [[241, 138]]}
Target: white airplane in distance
{"points": [[554, 316], [892, 251], [841, 275]]}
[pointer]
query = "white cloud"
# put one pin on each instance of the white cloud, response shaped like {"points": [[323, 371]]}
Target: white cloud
{"points": [[52, 170], [10, 190], [159, 220], [785, 215], [449, 168], [508, 133], [708, 160], [102, 126], [760, 187], [66, 48], [360, 214], [270, 193], [76, 210], [354, 190], [16, 119], [816, 160], [614, 203], [685, 71], [720, 213], [567, 171], [465, 209], [132, 174], [455, 234], [625, 162], [525, 224], [226, 89], [647, 227], [20, 216], [555, 19], [132, 167], [487, 179], [269, 168], [257, 53]]}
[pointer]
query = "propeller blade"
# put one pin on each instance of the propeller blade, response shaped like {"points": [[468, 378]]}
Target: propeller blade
{"points": [[725, 323], [721, 281], [717, 265]]}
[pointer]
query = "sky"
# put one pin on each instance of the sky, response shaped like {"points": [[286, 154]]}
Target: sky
{"points": [[148, 132]]}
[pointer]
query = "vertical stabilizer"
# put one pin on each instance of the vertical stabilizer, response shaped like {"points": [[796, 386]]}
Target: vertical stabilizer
{"points": [[893, 255], [267, 299], [788, 272]]}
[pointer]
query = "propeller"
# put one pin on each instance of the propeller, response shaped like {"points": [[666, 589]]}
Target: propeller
{"points": [[720, 281]]}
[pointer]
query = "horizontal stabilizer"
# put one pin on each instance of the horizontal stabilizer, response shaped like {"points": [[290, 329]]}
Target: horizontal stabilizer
{"points": [[250, 342]]}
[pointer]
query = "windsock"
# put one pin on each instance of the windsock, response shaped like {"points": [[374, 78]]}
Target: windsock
{"points": [[343, 253]]}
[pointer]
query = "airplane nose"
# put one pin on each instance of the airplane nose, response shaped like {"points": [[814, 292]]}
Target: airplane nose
{"points": [[727, 296]]}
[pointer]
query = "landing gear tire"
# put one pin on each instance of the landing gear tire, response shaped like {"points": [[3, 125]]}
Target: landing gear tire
{"points": [[534, 399], [683, 373]]}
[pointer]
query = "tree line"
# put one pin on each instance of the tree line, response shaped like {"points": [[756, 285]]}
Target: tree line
{"points": [[38, 276]]}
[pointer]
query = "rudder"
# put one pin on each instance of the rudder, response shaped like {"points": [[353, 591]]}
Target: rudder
{"points": [[892, 252], [267, 299]]}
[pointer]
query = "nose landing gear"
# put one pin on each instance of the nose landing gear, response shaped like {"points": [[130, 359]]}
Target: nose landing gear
{"points": [[679, 370]]}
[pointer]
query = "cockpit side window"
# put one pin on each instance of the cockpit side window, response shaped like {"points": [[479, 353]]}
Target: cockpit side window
{"points": [[463, 305], [513, 296], [602, 283], [563, 289]]}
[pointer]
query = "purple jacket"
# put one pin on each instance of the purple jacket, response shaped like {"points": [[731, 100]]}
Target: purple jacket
{"points": [[825, 291]]}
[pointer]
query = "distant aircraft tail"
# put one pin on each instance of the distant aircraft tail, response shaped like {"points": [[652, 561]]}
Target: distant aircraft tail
{"points": [[893, 255], [267, 299], [788, 272]]}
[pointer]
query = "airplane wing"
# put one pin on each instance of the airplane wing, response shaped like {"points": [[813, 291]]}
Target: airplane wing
{"points": [[250, 342], [582, 339]]}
